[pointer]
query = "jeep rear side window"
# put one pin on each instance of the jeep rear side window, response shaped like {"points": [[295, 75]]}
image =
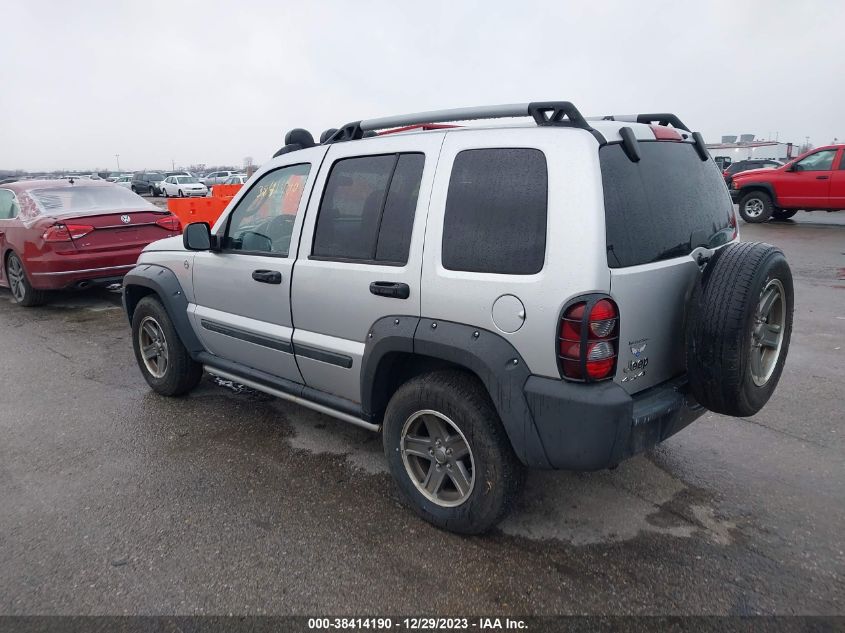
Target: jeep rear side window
{"points": [[367, 210], [496, 211], [663, 206]]}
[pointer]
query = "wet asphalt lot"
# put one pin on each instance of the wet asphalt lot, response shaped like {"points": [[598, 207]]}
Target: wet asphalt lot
{"points": [[114, 500]]}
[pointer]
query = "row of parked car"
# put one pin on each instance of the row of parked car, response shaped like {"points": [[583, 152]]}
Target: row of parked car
{"points": [[179, 184]]}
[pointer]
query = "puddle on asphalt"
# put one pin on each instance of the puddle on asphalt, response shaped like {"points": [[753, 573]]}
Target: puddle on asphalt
{"points": [[574, 508]]}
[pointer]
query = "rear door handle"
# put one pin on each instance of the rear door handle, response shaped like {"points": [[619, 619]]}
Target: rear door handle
{"points": [[267, 276], [390, 289], [822, 177]]}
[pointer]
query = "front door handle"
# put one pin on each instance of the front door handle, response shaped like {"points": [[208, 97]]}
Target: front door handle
{"points": [[822, 177], [390, 289], [267, 276]]}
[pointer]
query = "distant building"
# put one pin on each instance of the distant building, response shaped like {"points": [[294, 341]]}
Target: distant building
{"points": [[731, 150]]}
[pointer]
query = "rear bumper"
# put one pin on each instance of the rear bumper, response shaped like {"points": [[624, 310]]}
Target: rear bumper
{"points": [[596, 426], [80, 278]]}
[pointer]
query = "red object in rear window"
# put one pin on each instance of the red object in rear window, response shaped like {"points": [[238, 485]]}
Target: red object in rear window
{"points": [[588, 343], [665, 133], [170, 222]]}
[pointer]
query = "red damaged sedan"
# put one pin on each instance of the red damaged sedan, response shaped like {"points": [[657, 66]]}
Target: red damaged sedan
{"points": [[72, 234]]}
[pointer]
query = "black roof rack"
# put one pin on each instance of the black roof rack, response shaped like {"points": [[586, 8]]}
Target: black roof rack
{"points": [[551, 113]]}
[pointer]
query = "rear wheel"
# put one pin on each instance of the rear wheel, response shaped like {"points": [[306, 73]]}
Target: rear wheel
{"points": [[739, 328], [22, 291], [180, 194], [756, 207], [449, 454], [133, 189], [165, 363], [784, 214]]}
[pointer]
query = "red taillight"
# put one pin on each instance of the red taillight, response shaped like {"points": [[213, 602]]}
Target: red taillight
{"points": [[588, 343], [170, 222], [66, 232]]}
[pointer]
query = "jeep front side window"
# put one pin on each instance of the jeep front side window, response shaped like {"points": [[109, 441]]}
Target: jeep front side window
{"points": [[264, 218]]}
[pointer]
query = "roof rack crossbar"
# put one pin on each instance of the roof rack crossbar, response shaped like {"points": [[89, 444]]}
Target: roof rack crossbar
{"points": [[561, 113], [661, 118]]}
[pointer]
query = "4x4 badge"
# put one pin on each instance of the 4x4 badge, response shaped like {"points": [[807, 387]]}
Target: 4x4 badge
{"points": [[637, 350]]}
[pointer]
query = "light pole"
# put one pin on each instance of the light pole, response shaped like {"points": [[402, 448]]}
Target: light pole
{"points": [[117, 156]]}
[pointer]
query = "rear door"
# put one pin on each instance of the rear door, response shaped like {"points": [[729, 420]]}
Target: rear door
{"points": [[807, 186], [360, 254], [657, 211], [242, 293]]}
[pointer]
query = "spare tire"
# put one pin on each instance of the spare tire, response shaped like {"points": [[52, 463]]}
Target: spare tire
{"points": [[738, 328]]}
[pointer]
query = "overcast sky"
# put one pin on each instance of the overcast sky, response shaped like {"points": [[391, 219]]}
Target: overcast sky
{"points": [[214, 82]]}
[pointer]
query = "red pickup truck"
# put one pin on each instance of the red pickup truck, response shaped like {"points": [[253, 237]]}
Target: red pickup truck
{"points": [[814, 181]]}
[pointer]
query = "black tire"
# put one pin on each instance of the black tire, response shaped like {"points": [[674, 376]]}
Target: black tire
{"points": [[133, 189], [721, 326], [180, 194], [181, 373], [496, 471], [756, 207], [23, 293], [784, 214], [164, 193]]}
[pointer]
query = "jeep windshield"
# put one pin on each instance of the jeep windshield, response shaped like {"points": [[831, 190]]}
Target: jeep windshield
{"points": [[664, 206]]}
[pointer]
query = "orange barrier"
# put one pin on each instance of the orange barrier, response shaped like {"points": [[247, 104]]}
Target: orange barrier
{"points": [[198, 209], [224, 191]]}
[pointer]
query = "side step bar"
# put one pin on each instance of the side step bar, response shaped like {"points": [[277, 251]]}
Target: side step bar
{"points": [[214, 371]]}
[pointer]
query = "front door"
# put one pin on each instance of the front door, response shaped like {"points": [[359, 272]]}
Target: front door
{"points": [[361, 254], [837, 184], [807, 186], [242, 292]]}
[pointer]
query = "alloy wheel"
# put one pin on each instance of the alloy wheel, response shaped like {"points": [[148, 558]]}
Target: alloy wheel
{"points": [[767, 332], [153, 346], [15, 273], [437, 458]]}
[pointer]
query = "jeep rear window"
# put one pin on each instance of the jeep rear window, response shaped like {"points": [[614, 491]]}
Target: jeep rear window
{"points": [[496, 208], [663, 206]]}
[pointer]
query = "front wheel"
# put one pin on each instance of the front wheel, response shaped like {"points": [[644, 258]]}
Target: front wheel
{"points": [[165, 363], [449, 454], [22, 291], [756, 207], [180, 194]]}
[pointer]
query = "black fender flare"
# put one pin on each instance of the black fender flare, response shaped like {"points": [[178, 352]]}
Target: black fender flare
{"points": [[486, 354], [145, 279], [760, 186]]}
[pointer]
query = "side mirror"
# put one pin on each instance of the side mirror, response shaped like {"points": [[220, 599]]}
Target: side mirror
{"points": [[197, 237], [793, 167]]}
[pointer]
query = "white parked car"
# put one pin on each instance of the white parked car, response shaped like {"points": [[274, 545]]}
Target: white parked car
{"points": [[217, 177], [236, 179], [124, 181], [182, 186]]}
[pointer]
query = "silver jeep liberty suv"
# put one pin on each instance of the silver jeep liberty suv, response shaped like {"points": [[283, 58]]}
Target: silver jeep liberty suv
{"points": [[550, 292]]}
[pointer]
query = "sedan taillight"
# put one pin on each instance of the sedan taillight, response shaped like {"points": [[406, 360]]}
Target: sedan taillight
{"points": [[588, 339], [66, 232], [170, 222]]}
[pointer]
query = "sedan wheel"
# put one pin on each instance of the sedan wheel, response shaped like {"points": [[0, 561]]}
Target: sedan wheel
{"points": [[180, 194], [22, 291], [14, 269]]}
